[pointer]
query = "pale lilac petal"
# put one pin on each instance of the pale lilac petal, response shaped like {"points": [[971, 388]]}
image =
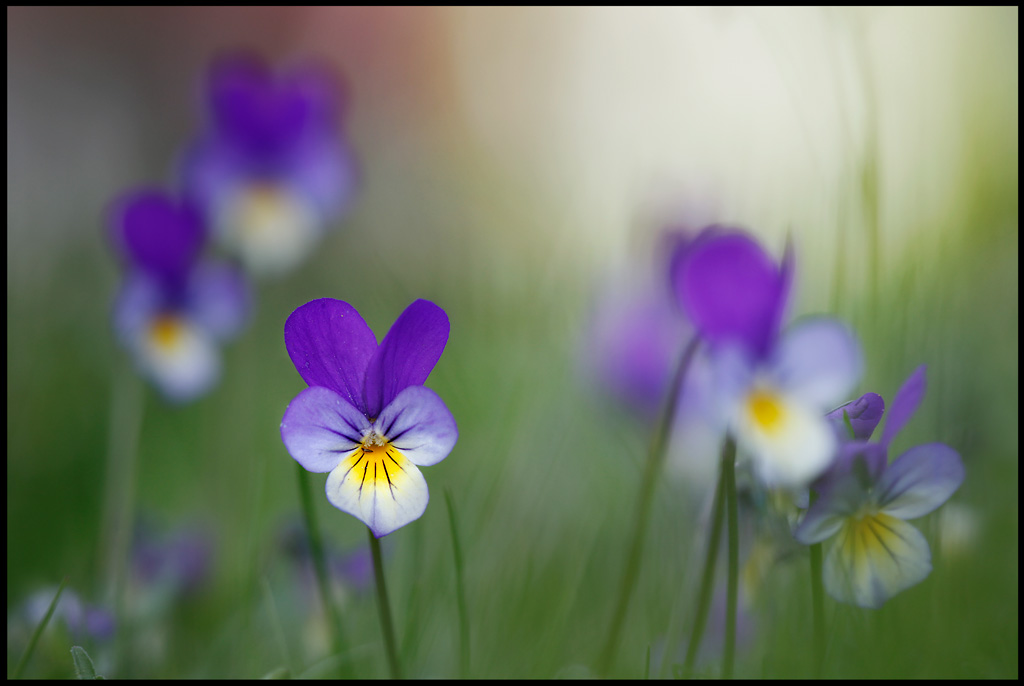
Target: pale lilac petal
{"points": [[380, 487], [864, 413], [818, 360], [920, 480], [331, 346], [418, 423], [874, 558], [731, 289], [219, 299], [320, 429], [904, 404], [407, 354], [138, 301]]}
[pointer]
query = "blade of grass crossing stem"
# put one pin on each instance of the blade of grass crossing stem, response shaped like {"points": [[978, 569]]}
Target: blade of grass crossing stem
{"points": [[655, 458], [39, 631], [460, 589]]}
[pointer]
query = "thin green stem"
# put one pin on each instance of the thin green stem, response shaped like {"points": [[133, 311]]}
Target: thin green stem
{"points": [[38, 632], [732, 583], [386, 627], [655, 459], [817, 603], [316, 551], [126, 416], [708, 575], [460, 590]]}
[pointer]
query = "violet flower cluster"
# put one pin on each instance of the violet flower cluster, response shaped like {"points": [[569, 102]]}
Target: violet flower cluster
{"points": [[366, 417], [174, 308], [271, 171]]}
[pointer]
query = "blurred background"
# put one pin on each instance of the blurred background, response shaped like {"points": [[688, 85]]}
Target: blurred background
{"points": [[515, 166]]}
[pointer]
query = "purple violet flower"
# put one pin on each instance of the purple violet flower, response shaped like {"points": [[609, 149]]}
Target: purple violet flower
{"points": [[366, 417], [172, 308], [772, 388], [271, 171], [865, 500]]}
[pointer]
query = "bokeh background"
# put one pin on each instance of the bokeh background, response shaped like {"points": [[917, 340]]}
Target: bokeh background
{"points": [[515, 164]]}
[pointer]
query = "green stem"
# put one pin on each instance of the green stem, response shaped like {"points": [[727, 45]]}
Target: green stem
{"points": [[386, 627], [708, 575], [316, 551], [732, 508], [38, 632], [126, 416], [817, 604], [460, 591], [655, 459]]}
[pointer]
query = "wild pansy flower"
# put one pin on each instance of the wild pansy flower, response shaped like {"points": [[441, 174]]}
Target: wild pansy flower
{"points": [[173, 309], [366, 417], [82, 620], [772, 389], [271, 171], [864, 500]]}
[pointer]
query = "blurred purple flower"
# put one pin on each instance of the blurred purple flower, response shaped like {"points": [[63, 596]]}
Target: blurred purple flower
{"points": [[366, 417], [865, 500], [81, 619], [180, 560], [352, 570], [771, 389], [271, 171], [172, 308]]}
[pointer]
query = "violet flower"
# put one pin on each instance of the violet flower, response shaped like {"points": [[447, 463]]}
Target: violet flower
{"points": [[366, 418], [864, 501], [173, 309], [772, 388], [271, 171]]}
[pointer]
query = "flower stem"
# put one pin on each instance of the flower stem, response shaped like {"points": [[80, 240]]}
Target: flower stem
{"points": [[707, 576], [316, 551], [732, 509], [385, 608], [460, 591], [126, 415], [655, 459], [817, 604]]}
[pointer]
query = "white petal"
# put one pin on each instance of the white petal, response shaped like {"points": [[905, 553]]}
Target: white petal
{"points": [[380, 487], [180, 358], [271, 227], [791, 443], [874, 558]]}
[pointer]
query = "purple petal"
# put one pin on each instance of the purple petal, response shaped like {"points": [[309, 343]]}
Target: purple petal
{"points": [[139, 299], [865, 412], [904, 404], [818, 360], [331, 346], [418, 423], [920, 480], [320, 429], [219, 299], [407, 354], [856, 469], [731, 289], [323, 169], [156, 234]]}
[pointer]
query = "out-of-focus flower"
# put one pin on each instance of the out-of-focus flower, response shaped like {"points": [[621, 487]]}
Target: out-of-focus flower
{"points": [[771, 389], [864, 500], [366, 418], [172, 308], [180, 560], [82, 620], [271, 171], [352, 570]]}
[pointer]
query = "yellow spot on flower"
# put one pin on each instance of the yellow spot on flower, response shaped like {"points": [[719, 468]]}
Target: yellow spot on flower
{"points": [[767, 410], [167, 331]]}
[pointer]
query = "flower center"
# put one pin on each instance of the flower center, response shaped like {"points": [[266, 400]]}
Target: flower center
{"points": [[166, 331], [767, 409]]}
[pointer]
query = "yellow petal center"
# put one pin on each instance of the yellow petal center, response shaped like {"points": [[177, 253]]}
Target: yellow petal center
{"points": [[167, 331], [767, 410]]}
